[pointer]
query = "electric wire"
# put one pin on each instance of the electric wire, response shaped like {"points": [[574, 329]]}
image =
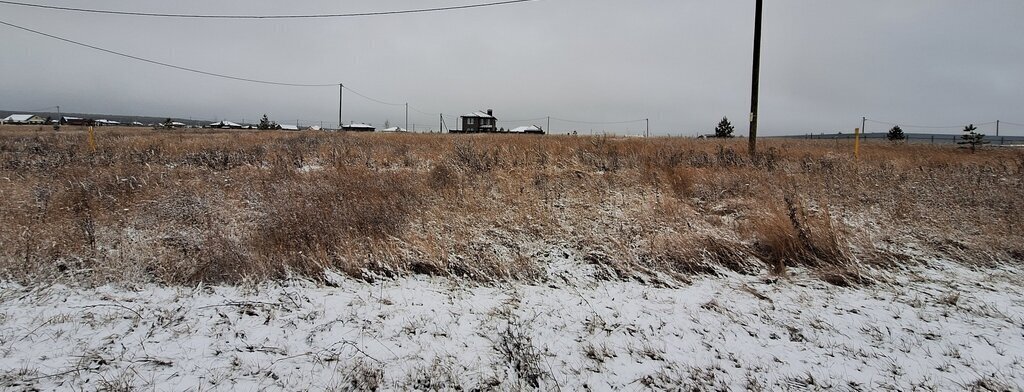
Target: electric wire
{"points": [[299, 16], [924, 126], [599, 122], [522, 121], [275, 83], [370, 98], [178, 67]]}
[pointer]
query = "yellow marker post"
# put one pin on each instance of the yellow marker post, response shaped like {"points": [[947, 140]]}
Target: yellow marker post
{"points": [[92, 140], [856, 144]]}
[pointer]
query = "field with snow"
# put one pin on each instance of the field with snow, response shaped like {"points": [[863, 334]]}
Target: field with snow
{"points": [[937, 327], [195, 260]]}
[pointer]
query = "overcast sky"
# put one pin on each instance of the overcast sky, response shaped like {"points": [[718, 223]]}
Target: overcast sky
{"points": [[682, 63]]}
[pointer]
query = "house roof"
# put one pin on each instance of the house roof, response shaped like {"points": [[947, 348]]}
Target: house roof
{"points": [[225, 124], [531, 128], [106, 122], [19, 117], [287, 127], [395, 129], [359, 126], [479, 115]]}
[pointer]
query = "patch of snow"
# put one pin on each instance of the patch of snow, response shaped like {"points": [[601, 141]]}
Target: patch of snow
{"points": [[943, 326]]}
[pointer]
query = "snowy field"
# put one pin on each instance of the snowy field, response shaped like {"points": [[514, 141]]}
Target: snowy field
{"points": [[942, 327]]}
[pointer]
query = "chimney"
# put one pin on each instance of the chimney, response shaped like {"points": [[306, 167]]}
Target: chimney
{"points": [[490, 112]]}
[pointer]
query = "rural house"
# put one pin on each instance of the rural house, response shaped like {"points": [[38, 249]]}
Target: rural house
{"points": [[356, 127], [23, 119], [479, 122], [225, 125], [68, 120], [534, 129], [106, 123]]}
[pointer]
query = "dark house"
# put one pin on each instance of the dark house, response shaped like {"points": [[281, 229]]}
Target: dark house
{"points": [[358, 128], [479, 122], [68, 120]]}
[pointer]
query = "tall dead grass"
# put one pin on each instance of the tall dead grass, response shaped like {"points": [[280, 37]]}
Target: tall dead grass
{"points": [[183, 207]]}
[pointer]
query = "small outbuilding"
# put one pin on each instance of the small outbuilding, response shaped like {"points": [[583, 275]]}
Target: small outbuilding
{"points": [[106, 123], [68, 120], [532, 129], [356, 127], [225, 125]]}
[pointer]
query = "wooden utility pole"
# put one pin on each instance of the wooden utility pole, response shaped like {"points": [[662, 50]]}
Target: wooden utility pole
{"points": [[406, 116], [341, 100], [754, 82], [647, 133]]}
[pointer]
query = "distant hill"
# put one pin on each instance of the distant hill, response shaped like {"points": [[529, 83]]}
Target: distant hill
{"points": [[124, 119]]}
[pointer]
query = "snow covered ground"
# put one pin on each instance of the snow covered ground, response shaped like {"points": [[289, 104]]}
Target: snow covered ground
{"points": [[943, 327]]}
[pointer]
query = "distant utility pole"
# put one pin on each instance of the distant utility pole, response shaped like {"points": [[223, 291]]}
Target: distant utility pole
{"points": [[754, 82], [863, 124], [406, 116], [341, 99], [648, 132], [549, 124], [997, 123]]}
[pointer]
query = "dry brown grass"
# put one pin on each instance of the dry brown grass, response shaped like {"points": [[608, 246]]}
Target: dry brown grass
{"points": [[182, 207]]}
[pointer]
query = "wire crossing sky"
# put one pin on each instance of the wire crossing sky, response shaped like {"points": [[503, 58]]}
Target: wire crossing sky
{"points": [[237, 78], [303, 16]]}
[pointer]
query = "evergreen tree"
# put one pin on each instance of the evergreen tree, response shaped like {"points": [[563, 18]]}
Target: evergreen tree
{"points": [[266, 124], [724, 128], [896, 134], [971, 138]]}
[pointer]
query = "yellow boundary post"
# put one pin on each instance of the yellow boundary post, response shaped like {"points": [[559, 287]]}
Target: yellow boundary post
{"points": [[92, 140], [856, 144]]}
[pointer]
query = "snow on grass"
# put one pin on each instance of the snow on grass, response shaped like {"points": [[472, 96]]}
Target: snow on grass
{"points": [[943, 326]]}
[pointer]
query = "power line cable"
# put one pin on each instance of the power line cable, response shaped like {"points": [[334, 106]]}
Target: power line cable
{"points": [[300, 16], [599, 122], [178, 67], [422, 112], [925, 126], [370, 98], [527, 120]]}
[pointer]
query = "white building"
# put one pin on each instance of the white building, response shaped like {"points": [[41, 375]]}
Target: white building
{"points": [[23, 119]]}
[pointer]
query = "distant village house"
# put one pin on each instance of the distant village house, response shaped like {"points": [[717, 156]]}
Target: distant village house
{"points": [[225, 125], [356, 127], [532, 129], [23, 119], [68, 120], [477, 122]]}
